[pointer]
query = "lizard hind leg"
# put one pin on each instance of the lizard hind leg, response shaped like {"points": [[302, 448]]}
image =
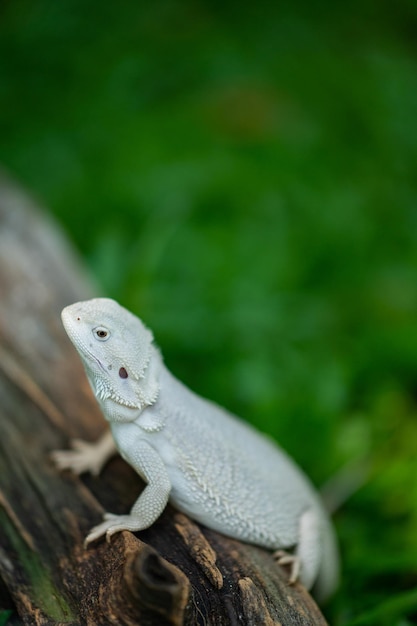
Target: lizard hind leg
{"points": [[305, 562], [309, 547]]}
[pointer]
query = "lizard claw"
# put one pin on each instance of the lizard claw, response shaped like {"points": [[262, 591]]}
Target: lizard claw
{"points": [[111, 525], [284, 558]]}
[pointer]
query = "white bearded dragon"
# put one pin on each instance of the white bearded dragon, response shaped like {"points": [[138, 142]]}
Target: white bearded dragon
{"points": [[205, 461]]}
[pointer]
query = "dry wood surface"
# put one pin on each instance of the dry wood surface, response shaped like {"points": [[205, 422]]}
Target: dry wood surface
{"points": [[174, 573]]}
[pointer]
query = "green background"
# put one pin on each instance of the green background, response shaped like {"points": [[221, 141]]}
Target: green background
{"points": [[244, 177]]}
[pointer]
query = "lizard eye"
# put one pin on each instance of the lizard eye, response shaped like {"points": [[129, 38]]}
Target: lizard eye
{"points": [[101, 333]]}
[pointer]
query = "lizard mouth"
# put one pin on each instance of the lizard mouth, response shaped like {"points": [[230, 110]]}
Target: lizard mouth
{"points": [[96, 360]]}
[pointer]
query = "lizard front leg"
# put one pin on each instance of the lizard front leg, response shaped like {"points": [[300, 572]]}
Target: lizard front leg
{"points": [[85, 456], [151, 502]]}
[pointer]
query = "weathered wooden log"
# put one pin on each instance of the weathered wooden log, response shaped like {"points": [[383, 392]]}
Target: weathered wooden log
{"points": [[174, 573]]}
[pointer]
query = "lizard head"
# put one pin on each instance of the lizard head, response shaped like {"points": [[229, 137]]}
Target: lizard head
{"points": [[116, 350]]}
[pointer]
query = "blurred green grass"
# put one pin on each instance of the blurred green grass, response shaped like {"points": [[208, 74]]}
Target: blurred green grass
{"points": [[243, 176]]}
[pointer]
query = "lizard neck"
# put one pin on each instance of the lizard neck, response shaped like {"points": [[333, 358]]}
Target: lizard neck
{"points": [[148, 386]]}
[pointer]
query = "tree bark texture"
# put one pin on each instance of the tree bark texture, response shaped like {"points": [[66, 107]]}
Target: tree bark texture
{"points": [[174, 573]]}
